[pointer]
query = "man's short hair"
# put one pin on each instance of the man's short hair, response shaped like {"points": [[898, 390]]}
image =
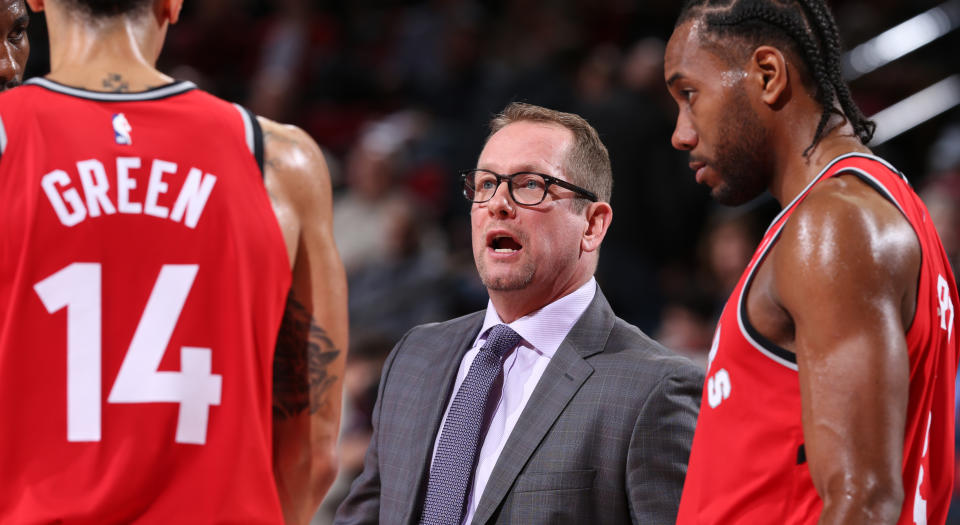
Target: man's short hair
{"points": [[109, 8], [587, 164]]}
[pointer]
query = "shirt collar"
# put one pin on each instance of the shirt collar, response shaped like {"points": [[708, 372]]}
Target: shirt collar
{"points": [[546, 328]]}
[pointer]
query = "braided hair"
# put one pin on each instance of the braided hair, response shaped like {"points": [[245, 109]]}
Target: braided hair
{"points": [[805, 28]]}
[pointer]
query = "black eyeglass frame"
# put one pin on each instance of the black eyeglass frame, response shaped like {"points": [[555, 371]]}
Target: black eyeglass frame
{"points": [[548, 180]]}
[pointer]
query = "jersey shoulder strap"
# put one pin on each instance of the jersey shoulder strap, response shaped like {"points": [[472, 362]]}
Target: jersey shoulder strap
{"points": [[254, 134]]}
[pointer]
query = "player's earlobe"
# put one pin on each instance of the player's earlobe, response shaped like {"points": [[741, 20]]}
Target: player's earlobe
{"points": [[772, 68], [35, 5]]}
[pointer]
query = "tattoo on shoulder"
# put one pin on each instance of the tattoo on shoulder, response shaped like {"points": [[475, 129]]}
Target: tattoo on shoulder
{"points": [[271, 158], [304, 353], [114, 82]]}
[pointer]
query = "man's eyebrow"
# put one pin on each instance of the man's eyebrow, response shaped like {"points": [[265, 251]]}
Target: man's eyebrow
{"points": [[673, 78]]}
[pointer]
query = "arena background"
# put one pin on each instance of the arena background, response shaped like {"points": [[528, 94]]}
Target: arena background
{"points": [[398, 94]]}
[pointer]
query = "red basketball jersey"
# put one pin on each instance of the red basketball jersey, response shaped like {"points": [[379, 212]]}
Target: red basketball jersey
{"points": [[748, 464], [144, 279]]}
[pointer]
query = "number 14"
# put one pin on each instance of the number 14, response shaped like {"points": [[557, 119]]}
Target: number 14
{"points": [[77, 287]]}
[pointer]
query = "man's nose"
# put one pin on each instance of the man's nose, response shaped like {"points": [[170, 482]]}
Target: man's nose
{"points": [[501, 203], [684, 136]]}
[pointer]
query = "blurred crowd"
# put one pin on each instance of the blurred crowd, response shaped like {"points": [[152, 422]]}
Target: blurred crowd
{"points": [[399, 93]]}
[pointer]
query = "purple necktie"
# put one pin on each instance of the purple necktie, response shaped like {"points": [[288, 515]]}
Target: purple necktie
{"points": [[460, 440]]}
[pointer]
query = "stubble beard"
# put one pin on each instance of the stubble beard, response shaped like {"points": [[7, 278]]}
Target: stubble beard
{"points": [[514, 281], [739, 158]]}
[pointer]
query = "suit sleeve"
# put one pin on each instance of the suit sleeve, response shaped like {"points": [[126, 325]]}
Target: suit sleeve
{"points": [[660, 446], [362, 504]]}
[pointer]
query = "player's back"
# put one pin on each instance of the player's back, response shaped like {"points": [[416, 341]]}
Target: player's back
{"points": [[144, 278]]}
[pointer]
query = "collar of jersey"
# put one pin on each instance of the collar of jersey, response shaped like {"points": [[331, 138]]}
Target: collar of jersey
{"points": [[167, 90]]}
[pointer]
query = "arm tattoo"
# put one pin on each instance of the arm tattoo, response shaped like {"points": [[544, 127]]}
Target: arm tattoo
{"points": [[274, 161], [300, 365], [115, 83]]}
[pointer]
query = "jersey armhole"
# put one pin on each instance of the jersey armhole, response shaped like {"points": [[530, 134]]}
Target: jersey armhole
{"points": [[753, 336], [253, 134]]}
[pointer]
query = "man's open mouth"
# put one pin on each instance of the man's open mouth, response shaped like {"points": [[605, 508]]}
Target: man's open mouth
{"points": [[505, 244]]}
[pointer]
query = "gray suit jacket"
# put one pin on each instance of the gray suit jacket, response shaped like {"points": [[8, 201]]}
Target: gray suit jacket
{"points": [[604, 438]]}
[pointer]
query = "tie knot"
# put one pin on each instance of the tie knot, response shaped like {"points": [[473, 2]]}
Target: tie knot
{"points": [[502, 339]]}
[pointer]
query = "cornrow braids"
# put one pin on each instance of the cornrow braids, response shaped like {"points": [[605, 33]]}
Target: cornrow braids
{"points": [[806, 28]]}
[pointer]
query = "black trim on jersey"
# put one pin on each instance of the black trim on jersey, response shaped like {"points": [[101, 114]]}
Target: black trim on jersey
{"points": [[873, 184], [801, 455], [257, 138], [769, 345], [155, 93]]}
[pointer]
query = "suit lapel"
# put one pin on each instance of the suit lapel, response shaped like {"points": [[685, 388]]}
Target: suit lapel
{"points": [[434, 393], [561, 380]]}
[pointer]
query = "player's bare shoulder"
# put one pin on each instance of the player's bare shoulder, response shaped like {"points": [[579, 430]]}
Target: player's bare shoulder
{"points": [[847, 236], [844, 217], [296, 178]]}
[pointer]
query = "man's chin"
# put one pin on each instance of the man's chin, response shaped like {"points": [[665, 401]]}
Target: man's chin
{"points": [[506, 283], [727, 196]]}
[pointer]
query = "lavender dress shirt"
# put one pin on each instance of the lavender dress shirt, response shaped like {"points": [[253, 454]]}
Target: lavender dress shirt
{"points": [[542, 332]]}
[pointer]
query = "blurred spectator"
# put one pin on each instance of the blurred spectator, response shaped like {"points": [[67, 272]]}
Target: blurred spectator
{"points": [[622, 95], [693, 305], [727, 244], [687, 324], [394, 253], [408, 286], [362, 211], [214, 45], [274, 86], [941, 193]]}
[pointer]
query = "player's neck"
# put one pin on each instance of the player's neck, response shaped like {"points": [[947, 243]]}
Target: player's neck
{"points": [[796, 170], [111, 55]]}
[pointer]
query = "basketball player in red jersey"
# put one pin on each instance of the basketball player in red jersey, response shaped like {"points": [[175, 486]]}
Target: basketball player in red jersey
{"points": [[16, 46], [158, 244], [829, 391]]}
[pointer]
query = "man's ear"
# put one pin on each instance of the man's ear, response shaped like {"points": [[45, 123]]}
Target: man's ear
{"points": [[35, 5], [599, 215], [167, 10], [174, 10], [770, 67]]}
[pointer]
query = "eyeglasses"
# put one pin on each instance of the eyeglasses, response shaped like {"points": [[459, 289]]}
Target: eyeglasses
{"points": [[526, 188]]}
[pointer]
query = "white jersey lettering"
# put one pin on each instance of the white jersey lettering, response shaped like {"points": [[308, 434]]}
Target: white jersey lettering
{"points": [[59, 178], [72, 207], [718, 387], [193, 197], [156, 187], [125, 184], [94, 180]]}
